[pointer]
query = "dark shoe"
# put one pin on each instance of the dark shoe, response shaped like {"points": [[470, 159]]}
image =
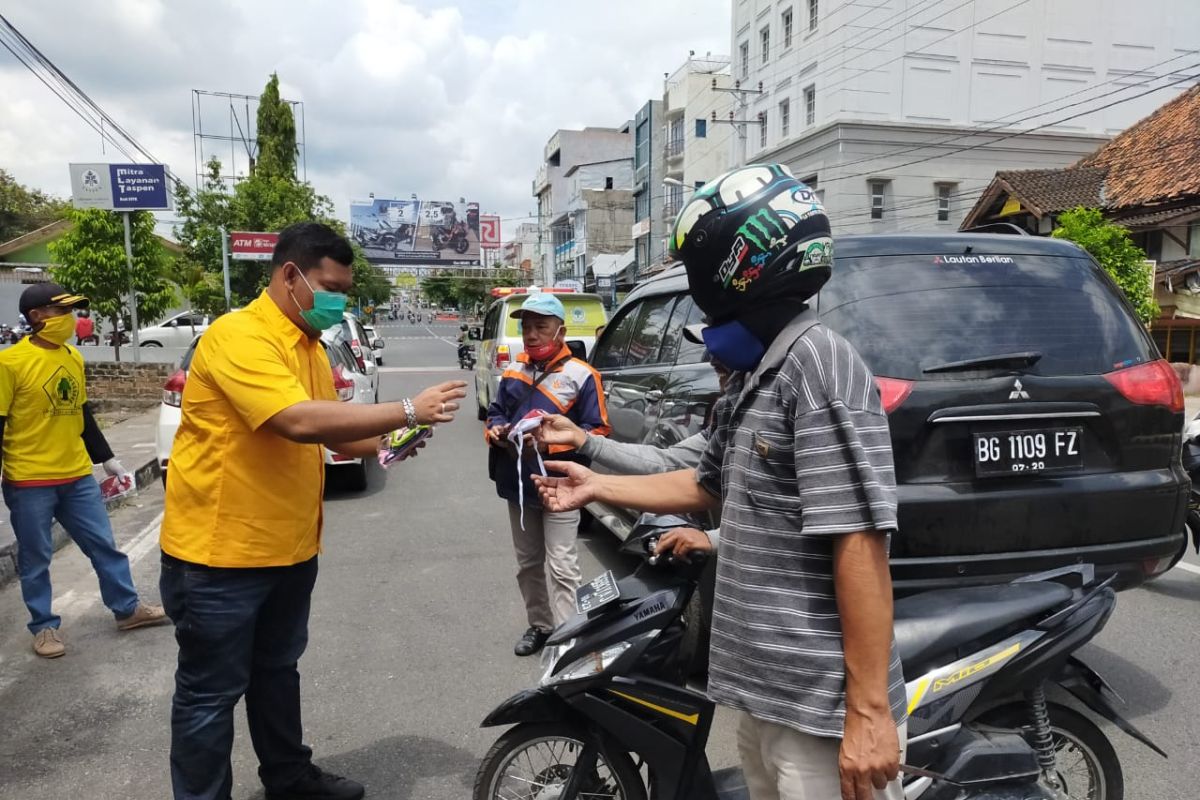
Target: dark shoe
{"points": [[317, 784], [533, 641]]}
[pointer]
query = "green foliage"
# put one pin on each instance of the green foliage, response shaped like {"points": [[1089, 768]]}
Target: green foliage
{"points": [[371, 284], [1111, 246], [276, 135], [23, 210], [92, 262], [466, 293]]}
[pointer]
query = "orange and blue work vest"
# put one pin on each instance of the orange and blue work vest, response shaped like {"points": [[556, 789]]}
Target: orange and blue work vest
{"points": [[572, 388]]}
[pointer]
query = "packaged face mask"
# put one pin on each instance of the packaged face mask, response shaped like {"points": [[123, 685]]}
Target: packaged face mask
{"points": [[400, 443], [526, 425]]}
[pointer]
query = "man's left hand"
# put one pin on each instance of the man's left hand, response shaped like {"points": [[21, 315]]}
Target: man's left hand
{"points": [[114, 467], [870, 755]]}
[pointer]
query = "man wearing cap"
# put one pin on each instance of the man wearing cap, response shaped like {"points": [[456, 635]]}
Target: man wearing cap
{"points": [[50, 441], [545, 378]]}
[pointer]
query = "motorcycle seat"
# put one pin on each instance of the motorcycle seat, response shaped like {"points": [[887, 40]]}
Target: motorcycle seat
{"points": [[932, 624]]}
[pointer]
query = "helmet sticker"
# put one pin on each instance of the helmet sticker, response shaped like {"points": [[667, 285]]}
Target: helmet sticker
{"points": [[764, 229], [817, 253], [730, 265]]}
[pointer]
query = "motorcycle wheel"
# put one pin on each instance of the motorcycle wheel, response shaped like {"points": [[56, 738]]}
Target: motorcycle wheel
{"points": [[462, 245], [534, 760], [1086, 763]]}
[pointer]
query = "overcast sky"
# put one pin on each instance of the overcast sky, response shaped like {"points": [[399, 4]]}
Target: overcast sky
{"points": [[441, 99]]}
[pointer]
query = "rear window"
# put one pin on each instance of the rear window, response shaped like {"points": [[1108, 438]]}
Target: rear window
{"points": [[910, 313], [584, 315]]}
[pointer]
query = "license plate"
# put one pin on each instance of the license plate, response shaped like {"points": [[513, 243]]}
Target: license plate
{"points": [[597, 593], [1035, 452]]}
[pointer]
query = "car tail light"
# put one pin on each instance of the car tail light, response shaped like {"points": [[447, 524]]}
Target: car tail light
{"points": [[343, 385], [503, 355], [893, 392], [356, 348], [173, 389], [1153, 384]]}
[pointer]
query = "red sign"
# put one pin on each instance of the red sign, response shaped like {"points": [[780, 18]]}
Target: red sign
{"points": [[489, 232], [252, 246]]}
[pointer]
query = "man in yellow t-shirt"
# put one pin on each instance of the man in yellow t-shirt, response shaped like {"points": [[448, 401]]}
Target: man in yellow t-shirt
{"points": [[242, 526], [50, 441]]}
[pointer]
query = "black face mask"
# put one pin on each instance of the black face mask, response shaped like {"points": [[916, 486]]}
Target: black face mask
{"points": [[770, 318]]}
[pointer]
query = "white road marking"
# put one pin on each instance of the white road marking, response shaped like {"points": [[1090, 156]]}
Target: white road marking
{"points": [[420, 369], [1188, 567], [145, 541], [450, 342]]}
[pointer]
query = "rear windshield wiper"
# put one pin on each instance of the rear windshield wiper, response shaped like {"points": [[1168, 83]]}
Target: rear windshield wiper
{"points": [[1026, 359]]}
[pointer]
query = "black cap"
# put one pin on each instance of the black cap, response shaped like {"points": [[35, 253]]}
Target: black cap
{"points": [[49, 294]]}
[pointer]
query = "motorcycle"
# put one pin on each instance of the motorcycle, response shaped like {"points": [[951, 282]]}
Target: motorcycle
{"points": [[1191, 465], [453, 237], [466, 356], [7, 334], [111, 338], [384, 237], [613, 718]]}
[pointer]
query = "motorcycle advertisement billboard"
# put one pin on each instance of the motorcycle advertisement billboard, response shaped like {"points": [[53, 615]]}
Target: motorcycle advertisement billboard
{"points": [[415, 231]]}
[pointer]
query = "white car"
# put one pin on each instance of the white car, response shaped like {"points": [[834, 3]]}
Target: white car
{"points": [[176, 331], [352, 386], [376, 343], [353, 334]]}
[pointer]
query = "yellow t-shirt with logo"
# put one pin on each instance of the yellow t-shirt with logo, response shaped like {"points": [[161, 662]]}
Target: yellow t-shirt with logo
{"points": [[42, 395]]}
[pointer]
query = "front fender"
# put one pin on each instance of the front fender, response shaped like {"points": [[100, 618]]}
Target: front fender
{"points": [[1086, 685], [529, 705]]}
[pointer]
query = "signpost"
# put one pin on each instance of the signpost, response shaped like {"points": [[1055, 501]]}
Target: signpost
{"points": [[125, 188], [489, 232], [247, 246]]}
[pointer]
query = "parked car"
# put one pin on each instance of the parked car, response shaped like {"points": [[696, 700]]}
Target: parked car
{"points": [[1033, 422], [350, 382], [376, 343], [353, 333], [500, 337], [176, 331]]}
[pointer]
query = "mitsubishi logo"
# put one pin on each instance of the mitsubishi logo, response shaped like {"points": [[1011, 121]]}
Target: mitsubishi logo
{"points": [[1018, 392]]}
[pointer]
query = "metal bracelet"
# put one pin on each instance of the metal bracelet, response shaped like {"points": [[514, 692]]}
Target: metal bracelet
{"points": [[410, 413]]}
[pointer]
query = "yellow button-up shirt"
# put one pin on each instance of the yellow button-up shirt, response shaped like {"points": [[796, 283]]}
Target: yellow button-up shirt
{"points": [[238, 495]]}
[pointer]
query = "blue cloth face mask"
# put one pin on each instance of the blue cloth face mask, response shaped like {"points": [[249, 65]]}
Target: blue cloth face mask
{"points": [[734, 345], [328, 307]]}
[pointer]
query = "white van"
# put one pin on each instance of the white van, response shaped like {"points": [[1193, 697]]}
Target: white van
{"points": [[500, 340]]}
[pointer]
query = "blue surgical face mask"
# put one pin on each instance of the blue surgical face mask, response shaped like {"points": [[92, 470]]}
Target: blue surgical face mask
{"points": [[328, 307], [734, 345]]}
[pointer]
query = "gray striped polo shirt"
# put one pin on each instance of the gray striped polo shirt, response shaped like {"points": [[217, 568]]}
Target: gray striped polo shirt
{"points": [[797, 460]]}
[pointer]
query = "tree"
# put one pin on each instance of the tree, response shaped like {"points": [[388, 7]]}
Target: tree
{"points": [[91, 258], [1111, 246], [23, 210], [276, 134], [371, 284]]}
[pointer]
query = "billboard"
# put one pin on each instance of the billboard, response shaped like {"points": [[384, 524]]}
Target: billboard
{"points": [[415, 231]]}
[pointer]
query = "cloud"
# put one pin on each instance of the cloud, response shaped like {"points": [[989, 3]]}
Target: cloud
{"points": [[399, 97]]}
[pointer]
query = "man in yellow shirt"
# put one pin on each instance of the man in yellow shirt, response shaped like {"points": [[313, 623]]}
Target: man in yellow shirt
{"points": [[50, 441], [242, 526]]}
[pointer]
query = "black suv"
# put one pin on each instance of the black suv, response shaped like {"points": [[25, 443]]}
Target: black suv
{"points": [[1033, 422]]}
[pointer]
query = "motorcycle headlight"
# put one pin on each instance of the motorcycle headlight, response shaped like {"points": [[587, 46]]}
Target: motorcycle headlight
{"points": [[591, 664]]}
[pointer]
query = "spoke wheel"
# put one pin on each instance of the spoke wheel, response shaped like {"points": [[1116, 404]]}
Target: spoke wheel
{"points": [[534, 761], [1086, 765]]}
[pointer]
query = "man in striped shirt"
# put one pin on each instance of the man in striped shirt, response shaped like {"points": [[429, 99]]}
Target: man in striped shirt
{"points": [[800, 465]]}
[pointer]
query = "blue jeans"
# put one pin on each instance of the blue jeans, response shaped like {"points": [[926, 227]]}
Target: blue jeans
{"points": [[240, 632], [80, 509]]}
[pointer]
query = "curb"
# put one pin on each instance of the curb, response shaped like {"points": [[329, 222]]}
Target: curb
{"points": [[143, 476]]}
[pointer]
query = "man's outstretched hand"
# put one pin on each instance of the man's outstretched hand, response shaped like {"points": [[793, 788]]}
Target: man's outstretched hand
{"points": [[574, 491]]}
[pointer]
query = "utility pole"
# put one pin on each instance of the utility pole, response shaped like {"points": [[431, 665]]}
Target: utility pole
{"points": [[738, 119]]}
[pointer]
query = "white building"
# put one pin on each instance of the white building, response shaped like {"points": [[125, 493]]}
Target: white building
{"points": [[520, 251], [883, 104], [697, 147]]}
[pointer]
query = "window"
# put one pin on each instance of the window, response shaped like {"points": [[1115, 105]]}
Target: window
{"points": [[701, 128], [812, 15], [785, 118], [810, 105], [610, 350], [690, 314], [786, 23], [943, 201], [744, 58], [646, 341], [762, 129], [877, 190], [608, 182], [699, 184], [764, 38]]}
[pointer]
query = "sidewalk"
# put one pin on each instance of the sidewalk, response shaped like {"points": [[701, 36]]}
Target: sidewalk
{"points": [[132, 442]]}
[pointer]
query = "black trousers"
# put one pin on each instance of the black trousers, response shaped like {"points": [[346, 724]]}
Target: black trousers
{"points": [[240, 632]]}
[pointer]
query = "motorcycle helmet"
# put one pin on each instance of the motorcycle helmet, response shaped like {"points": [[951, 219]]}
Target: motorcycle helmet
{"points": [[755, 232]]}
